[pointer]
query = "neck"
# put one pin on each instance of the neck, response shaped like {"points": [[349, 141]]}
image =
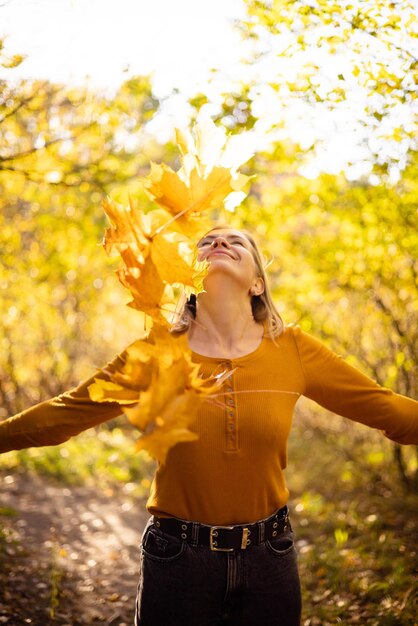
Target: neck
{"points": [[224, 319]]}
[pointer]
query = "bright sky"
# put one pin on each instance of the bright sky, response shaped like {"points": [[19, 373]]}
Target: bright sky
{"points": [[178, 42], [104, 42]]}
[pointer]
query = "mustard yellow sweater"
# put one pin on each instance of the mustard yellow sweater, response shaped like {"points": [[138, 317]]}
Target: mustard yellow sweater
{"points": [[233, 473]]}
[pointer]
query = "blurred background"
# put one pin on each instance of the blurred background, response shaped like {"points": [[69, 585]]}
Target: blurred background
{"points": [[324, 95]]}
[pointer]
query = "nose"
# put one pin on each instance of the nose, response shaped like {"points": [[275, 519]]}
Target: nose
{"points": [[220, 242]]}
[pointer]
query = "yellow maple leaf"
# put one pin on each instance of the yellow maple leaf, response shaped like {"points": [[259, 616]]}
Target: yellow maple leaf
{"points": [[146, 287], [151, 261], [172, 427], [207, 146], [159, 387], [166, 347], [136, 374], [173, 266], [188, 199], [158, 442], [125, 227], [167, 409], [166, 385], [108, 391], [171, 252], [124, 386]]}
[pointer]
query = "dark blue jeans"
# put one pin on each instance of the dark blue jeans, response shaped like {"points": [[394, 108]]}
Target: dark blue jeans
{"points": [[182, 585]]}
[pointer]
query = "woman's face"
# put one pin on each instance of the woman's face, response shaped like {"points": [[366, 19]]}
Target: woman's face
{"points": [[228, 250]]}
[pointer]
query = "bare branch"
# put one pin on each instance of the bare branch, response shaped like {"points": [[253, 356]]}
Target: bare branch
{"points": [[21, 155], [25, 101]]}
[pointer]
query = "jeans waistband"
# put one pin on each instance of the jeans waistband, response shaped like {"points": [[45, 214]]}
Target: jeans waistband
{"points": [[226, 538]]}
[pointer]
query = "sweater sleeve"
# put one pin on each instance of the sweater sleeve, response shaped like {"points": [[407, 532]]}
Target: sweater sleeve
{"points": [[343, 389], [56, 420]]}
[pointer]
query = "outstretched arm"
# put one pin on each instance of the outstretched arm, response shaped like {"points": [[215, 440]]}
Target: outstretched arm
{"points": [[56, 420], [343, 389]]}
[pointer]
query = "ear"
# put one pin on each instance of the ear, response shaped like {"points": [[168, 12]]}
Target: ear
{"points": [[257, 288]]}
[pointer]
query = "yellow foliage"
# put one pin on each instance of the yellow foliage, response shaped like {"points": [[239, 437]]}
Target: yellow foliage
{"points": [[168, 235], [145, 285], [159, 389], [171, 427], [207, 178], [172, 267], [167, 384], [189, 192], [151, 261], [107, 391]]}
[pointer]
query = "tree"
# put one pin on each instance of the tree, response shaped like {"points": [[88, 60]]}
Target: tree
{"points": [[349, 68], [344, 263], [62, 150]]}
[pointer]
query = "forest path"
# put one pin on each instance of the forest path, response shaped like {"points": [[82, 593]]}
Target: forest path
{"points": [[68, 547]]}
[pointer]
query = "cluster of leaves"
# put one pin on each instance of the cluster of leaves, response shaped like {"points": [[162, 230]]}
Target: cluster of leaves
{"points": [[159, 389], [158, 252]]}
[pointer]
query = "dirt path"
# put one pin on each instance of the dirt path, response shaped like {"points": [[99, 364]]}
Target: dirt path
{"points": [[70, 549]]}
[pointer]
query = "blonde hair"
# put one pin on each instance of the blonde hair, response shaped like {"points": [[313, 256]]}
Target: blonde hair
{"points": [[262, 306]]}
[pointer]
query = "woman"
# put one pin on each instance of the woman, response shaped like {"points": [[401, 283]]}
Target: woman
{"points": [[218, 548]]}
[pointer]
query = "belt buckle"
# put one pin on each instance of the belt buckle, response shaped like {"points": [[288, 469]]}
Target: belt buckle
{"points": [[214, 533]]}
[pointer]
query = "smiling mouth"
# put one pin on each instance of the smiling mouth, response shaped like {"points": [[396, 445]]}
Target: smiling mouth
{"points": [[220, 252]]}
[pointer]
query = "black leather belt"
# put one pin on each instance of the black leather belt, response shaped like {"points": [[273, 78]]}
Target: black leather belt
{"points": [[226, 538]]}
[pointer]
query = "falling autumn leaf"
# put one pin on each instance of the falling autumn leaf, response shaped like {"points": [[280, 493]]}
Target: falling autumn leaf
{"points": [[160, 390], [145, 285], [190, 197], [159, 387], [172, 426], [162, 345], [151, 260], [166, 385], [124, 227], [168, 235], [208, 146], [108, 391], [172, 267]]}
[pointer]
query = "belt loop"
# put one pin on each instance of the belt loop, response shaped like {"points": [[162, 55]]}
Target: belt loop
{"points": [[195, 534], [261, 528]]}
